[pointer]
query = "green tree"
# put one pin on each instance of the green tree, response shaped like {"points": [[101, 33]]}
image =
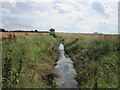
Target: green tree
{"points": [[52, 32], [36, 30]]}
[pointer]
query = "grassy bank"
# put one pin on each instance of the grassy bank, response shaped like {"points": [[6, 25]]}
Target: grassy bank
{"points": [[95, 59], [28, 62]]}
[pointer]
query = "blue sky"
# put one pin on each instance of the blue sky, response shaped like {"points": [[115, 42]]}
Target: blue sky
{"points": [[63, 15]]}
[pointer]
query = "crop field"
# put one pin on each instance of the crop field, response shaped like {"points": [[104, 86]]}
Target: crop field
{"points": [[95, 59], [6, 35]]}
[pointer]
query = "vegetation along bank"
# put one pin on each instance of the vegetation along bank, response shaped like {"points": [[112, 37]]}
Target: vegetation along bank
{"points": [[28, 62], [95, 59]]}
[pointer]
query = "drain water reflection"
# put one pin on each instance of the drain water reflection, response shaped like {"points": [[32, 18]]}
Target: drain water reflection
{"points": [[65, 70]]}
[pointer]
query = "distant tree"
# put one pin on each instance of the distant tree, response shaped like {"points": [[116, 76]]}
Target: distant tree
{"points": [[2, 30], [36, 30], [52, 32]]}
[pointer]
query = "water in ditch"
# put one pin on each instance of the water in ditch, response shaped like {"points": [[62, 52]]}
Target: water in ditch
{"points": [[65, 70]]}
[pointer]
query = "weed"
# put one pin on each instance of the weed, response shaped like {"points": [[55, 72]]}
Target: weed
{"points": [[89, 54], [30, 62]]}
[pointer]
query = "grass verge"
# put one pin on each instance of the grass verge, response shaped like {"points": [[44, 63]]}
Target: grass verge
{"points": [[28, 62], [95, 59]]}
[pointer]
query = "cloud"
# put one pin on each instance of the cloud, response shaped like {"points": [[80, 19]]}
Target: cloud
{"points": [[65, 16], [9, 4], [62, 8], [98, 7], [15, 23], [5, 10], [26, 1]]}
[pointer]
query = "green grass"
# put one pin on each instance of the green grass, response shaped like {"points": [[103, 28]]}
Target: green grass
{"points": [[95, 59], [30, 61]]}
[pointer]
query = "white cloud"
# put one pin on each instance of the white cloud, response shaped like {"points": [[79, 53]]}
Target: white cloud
{"points": [[63, 16], [63, 8], [26, 1], [5, 10]]}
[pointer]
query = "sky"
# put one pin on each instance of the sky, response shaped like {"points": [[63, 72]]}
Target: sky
{"points": [[72, 16]]}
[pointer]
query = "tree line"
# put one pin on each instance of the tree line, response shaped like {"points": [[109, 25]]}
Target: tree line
{"points": [[51, 31], [3, 30]]}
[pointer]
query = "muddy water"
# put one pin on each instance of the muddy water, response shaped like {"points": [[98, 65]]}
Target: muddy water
{"points": [[65, 70]]}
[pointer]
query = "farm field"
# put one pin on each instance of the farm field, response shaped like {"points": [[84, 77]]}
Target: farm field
{"points": [[95, 59], [5, 35]]}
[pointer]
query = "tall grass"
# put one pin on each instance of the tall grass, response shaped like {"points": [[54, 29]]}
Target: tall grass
{"points": [[95, 59], [28, 62]]}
